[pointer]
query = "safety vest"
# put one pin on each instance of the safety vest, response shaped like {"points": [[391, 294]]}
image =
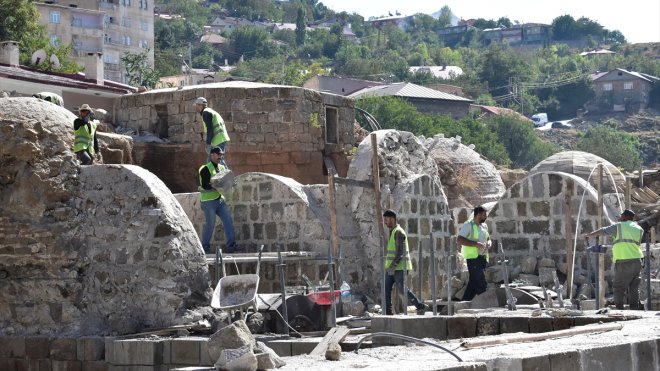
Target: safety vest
{"points": [[84, 139], [54, 98], [471, 252], [208, 194], [391, 250], [626, 241], [219, 130]]}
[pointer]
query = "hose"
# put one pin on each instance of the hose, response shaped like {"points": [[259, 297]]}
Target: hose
{"points": [[408, 338]]}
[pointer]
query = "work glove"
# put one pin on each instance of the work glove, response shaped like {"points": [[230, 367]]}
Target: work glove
{"points": [[391, 271]]}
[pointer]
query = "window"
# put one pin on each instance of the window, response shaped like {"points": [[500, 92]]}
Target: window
{"points": [[607, 86], [627, 85], [54, 40], [107, 39], [55, 17], [128, 40], [144, 26], [331, 125], [126, 2], [126, 22]]}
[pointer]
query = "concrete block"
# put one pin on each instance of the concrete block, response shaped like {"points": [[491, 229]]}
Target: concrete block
{"points": [[562, 323], [63, 349], [166, 356], [538, 363], [488, 326], [461, 327], [91, 349], [565, 361], [185, 351], [302, 347], [283, 347], [37, 347], [644, 358], [8, 364], [204, 355], [66, 365], [38, 365], [613, 357], [514, 324], [12, 347], [540, 324], [94, 366], [587, 320], [136, 352]]}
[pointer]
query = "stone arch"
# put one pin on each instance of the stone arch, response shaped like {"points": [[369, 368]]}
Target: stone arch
{"points": [[529, 218]]}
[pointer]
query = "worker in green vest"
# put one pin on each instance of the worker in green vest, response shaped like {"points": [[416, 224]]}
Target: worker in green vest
{"points": [[474, 239], [627, 256], [85, 144], [213, 204], [397, 259], [214, 127], [50, 97]]}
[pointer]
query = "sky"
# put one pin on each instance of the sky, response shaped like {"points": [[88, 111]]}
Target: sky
{"points": [[638, 20]]}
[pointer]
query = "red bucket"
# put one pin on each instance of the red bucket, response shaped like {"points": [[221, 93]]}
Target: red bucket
{"points": [[323, 297]]}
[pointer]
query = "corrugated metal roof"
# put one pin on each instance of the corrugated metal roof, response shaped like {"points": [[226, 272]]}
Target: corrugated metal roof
{"points": [[406, 90], [72, 80]]}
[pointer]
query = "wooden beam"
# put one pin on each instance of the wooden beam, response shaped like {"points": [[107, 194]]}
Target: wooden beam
{"points": [[354, 183], [333, 222], [337, 334], [375, 177]]}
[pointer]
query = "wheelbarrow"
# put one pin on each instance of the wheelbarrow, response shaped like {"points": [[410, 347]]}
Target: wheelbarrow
{"points": [[237, 292]]}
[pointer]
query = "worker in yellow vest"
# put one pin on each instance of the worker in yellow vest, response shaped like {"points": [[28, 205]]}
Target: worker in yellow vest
{"points": [[397, 255], [213, 204], [474, 239], [50, 97], [214, 128], [85, 144], [627, 256]]}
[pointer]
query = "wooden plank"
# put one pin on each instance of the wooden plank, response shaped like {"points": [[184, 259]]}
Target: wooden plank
{"points": [[354, 183], [649, 192], [329, 165], [337, 334]]}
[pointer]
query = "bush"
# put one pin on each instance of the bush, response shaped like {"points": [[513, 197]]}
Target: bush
{"points": [[617, 147]]}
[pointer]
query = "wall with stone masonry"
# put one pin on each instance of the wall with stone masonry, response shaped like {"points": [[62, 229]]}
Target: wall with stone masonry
{"points": [[86, 249], [529, 219], [274, 129]]}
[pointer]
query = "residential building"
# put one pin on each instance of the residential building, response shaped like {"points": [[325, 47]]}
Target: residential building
{"points": [[439, 72], [111, 27], [424, 99], [392, 20], [75, 89], [621, 90], [229, 24]]}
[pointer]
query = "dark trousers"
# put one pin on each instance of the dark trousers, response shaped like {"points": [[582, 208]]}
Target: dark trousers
{"points": [[477, 282], [389, 283], [626, 276], [85, 157]]}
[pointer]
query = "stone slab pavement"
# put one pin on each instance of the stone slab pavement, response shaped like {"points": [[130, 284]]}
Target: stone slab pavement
{"points": [[635, 347]]}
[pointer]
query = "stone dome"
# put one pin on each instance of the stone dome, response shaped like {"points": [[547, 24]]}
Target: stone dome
{"points": [[582, 164], [467, 178]]}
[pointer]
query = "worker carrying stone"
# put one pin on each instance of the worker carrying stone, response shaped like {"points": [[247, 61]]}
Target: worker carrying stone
{"points": [[627, 256], [474, 239], [85, 144], [214, 127], [213, 203], [397, 259], [50, 97]]}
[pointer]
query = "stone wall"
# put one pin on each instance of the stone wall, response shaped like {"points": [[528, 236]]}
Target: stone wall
{"points": [[86, 250], [274, 129], [529, 219]]}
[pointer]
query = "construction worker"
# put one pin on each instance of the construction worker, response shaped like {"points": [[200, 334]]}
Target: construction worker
{"points": [[214, 127], [213, 203], [627, 256], [474, 239], [50, 97], [397, 250], [84, 130]]}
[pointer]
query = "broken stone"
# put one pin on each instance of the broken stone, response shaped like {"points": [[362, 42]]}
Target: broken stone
{"points": [[529, 265], [354, 308], [255, 322], [333, 353], [546, 276], [234, 336], [240, 359], [546, 263], [267, 359]]}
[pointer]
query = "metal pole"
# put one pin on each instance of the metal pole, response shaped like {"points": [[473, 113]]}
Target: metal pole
{"points": [[405, 283], [331, 274], [448, 255], [597, 274], [433, 288], [280, 270], [647, 305], [419, 271]]}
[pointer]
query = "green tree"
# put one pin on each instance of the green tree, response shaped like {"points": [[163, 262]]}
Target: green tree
{"points": [[301, 26], [564, 28], [617, 147], [138, 71], [444, 19], [504, 22], [524, 147]]}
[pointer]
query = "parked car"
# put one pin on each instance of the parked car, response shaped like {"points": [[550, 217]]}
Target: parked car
{"points": [[561, 125], [540, 119]]}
